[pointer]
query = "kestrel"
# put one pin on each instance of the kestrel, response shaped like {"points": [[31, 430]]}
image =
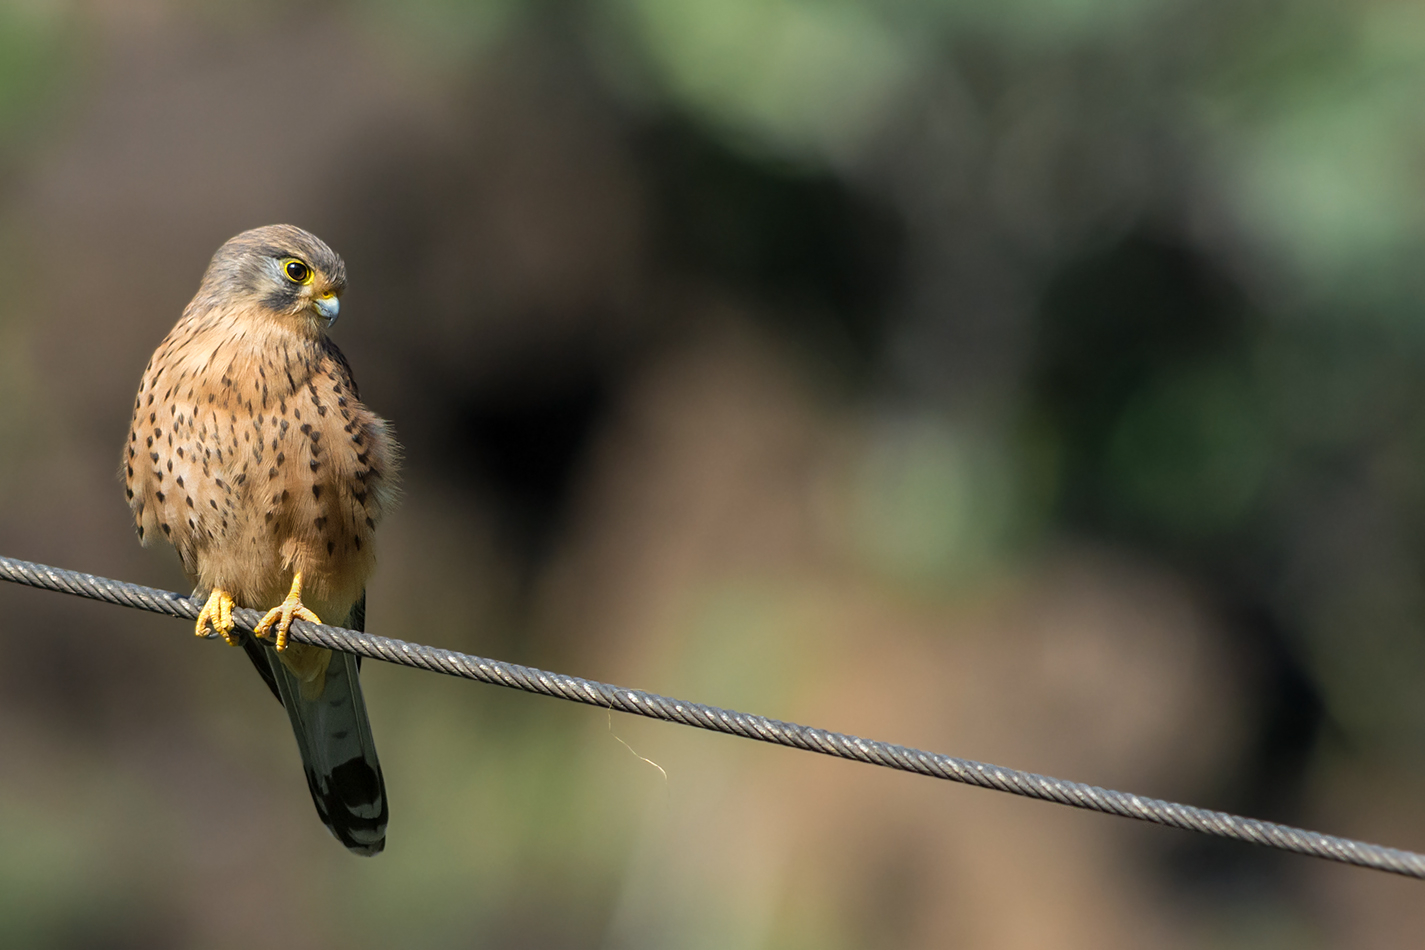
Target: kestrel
{"points": [[250, 453]]}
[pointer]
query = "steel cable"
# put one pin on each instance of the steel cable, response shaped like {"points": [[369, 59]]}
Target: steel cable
{"points": [[746, 725]]}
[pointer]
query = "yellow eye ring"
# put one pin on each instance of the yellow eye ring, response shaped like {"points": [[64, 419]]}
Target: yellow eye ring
{"points": [[296, 271]]}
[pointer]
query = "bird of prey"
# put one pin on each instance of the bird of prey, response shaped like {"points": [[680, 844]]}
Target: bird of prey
{"points": [[251, 454]]}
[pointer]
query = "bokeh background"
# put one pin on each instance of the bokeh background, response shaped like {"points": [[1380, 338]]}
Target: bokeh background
{"points": [[1039, 381]]}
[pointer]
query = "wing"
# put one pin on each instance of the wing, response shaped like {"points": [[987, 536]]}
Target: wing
{"points": [[334, 739]]}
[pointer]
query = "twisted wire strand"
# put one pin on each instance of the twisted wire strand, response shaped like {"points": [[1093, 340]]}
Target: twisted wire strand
{"points": [[746, 725]]}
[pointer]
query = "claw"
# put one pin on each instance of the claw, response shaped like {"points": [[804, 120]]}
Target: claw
{"points": [[284, 613], [218, 614]]}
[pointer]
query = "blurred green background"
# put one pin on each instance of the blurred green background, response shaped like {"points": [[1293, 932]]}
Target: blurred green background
{"points": [[1039, 381]]}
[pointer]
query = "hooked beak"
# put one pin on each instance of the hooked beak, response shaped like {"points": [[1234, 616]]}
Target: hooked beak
{"points": [[328, 306]]}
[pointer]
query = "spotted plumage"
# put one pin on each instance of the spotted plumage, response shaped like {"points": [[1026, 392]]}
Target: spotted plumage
{"points": [[251, 453]]}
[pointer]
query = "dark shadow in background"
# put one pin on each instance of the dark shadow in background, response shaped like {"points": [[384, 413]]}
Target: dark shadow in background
{"points": [[523, 444], [814, 259], [1115, 325], [823, 257]]}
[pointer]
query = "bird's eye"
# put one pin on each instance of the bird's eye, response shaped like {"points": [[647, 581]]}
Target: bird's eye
{"points": [[298, 272]]}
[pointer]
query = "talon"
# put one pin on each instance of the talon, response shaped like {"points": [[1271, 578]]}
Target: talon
{"points": [[284, 613], [218, 614]]}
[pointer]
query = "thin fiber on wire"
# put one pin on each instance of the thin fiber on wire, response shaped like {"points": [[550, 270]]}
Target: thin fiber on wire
{"points": [[747, 725]]}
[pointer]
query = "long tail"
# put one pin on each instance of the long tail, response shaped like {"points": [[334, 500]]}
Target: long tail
{"points": [[334, 738]]}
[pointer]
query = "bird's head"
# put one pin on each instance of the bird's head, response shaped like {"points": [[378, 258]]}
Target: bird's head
{"points": [[288, 273]]}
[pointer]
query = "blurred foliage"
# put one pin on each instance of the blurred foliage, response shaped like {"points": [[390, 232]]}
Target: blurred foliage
{"points": [[805, 77], [937, 507], [35, 55], [444, 33]]}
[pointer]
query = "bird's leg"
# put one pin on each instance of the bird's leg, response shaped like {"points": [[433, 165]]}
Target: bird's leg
{"points": [[284, 612], [217, 613]]}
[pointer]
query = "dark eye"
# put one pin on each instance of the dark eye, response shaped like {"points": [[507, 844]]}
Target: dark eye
{"points": [[298, 271]]}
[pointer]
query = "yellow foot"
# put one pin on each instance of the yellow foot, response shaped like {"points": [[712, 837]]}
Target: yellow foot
{"points": [[285, 612], [217, 613]]}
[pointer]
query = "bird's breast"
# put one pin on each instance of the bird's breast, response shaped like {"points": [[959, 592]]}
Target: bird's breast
{"points": [[257, 461]]}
